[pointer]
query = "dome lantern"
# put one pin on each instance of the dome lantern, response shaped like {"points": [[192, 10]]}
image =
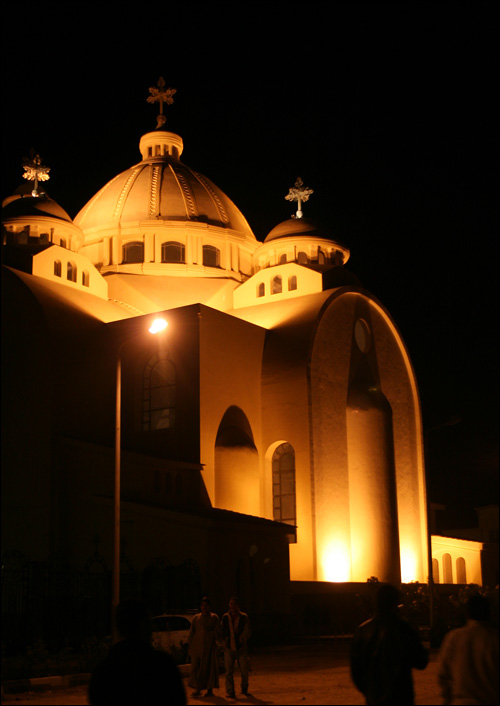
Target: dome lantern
{"points": [[160, 144]]}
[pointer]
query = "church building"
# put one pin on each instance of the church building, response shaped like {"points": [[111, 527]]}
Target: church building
{"points": [[270, 432]]}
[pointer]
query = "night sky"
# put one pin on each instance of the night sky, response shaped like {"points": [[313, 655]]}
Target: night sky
{"points": [[389, 111]]}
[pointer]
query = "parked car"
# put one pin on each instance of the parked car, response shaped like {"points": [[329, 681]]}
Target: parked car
{"points": [[171, 632]]}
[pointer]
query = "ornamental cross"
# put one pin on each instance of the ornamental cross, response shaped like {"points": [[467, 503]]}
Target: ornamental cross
{"points": [[161, 95], [299, 194], [34, 170]]}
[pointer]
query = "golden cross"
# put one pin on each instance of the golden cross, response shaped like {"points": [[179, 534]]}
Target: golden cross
{"points": [[299, 193], [34, 170], [161, 95]]}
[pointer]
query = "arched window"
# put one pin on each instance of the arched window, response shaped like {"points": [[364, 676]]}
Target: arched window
{"points": [[284, 485], [282, 260], [85, 278], [57, 268], [158, 394], [447, 570], [71, 272], [276, 285], [133, 252], [211, 256], [461, 573], [292, 283], [337, 258], [435, 570], [321, 257], [302, 258], [172, 251], [261, 289]]}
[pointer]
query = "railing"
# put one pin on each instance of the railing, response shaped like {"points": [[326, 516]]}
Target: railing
{"points": [[64, 606]]}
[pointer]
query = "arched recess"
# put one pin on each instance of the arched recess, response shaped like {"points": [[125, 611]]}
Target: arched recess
{"points": [[372, 484], [435, 570], [447, 569], [461, 570], [237, 481]]}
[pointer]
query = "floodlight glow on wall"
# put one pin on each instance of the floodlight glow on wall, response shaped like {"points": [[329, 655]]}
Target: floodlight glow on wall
{"points": [[158, 325]]}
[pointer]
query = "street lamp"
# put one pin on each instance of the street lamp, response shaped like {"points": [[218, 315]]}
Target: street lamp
{"points": [[157, 326], [449, 423]]}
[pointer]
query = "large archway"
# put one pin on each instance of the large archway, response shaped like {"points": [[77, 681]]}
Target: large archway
{"points": [[237, 481]]}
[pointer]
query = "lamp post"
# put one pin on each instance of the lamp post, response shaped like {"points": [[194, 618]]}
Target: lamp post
{"points": [[157, 326], [449, 423]]}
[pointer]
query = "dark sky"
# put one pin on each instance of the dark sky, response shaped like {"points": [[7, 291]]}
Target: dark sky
{"points": [[389, 111]]}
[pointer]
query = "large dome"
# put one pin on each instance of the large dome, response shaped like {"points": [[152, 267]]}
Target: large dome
{"points": [[162, 218], [162, 188]]}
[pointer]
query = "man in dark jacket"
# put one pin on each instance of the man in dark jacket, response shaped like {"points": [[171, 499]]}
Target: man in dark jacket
{"points": [[134, 672], [235, 628], [383, 652]]}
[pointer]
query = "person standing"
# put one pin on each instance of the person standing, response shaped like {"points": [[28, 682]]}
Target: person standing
{"points": [[203, 650], [236, 630], [134, 672], [383, 651], [468, 658]]}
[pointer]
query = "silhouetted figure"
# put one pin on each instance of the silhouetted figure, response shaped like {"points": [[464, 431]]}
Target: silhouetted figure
{"points": [[134, 672], [236, 630], [384, 650], [203, 650], [468, 658]]}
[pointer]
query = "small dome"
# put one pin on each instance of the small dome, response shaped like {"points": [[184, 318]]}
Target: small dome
{"points": [[303, 241], [22, 205], [298, 227]]}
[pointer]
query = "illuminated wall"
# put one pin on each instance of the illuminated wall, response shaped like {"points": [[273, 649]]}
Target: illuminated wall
{"points": [[236, 465], [369, 493], [230, 411], [60, 265], [456, 560], [372, 488]]}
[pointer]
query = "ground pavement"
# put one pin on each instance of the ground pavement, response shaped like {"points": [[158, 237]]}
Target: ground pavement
{"points": [[300, 674]]}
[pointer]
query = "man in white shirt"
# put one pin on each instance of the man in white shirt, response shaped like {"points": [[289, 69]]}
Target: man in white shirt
{"points": [[468, 658]]}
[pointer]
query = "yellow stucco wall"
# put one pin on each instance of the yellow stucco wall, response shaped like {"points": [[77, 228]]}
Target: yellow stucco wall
{"points": [[43, 266], [230, 369], [335, 362], [457, 549]]}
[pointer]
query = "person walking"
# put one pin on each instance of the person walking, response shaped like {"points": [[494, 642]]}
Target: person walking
{"points": [[236, 630], [203, 650], [468, 658], [383, 651], [134, 672]]}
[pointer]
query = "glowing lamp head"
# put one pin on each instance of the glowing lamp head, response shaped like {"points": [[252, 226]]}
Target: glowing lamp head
{"points": [[158, 325]]}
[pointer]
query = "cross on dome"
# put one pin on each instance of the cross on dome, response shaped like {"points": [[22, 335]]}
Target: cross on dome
{"points": [[161, 95], [300, 194], [35, 171]]}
